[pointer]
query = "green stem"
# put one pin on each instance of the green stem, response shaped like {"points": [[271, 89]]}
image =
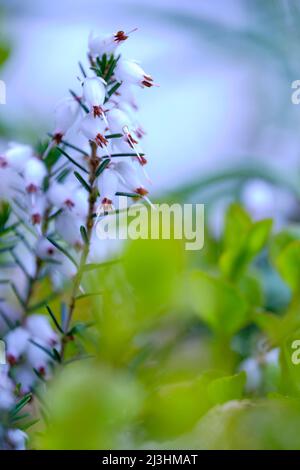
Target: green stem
{"points": [[93, 164]]}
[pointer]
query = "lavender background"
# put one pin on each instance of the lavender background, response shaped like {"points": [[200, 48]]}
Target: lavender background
{"points": [[225, 69]]}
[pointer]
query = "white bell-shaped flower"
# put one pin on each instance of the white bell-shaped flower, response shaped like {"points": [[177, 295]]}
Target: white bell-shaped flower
{"points": [[100, 44], [34, 174], [16, 344], [16, 156], [37, 358], [130, 177], [25, 376], [68, 195], [37, 207], [17, 438], [125, 97], [67, 225], [45, 249], [94, 93], [39, 326], [118, 121], [66, 113], [94, 129], [129, 71], [108, 183]]}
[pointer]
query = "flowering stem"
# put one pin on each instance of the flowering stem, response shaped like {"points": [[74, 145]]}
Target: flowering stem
{"points": [[93, 164]]}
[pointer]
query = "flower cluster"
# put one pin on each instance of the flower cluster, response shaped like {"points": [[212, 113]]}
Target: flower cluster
{"points": [[53, 195]]}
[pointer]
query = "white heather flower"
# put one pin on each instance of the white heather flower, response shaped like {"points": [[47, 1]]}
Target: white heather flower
{"points": [[17, 438], [16, 156], [68, 226], [16, 343], [7, 398], [94, 94], [94, 129], [125, 96], [39, 327], [108, 182], [25, 376], [36, 357], [45, 249], [100, 44], [10, 181], [37, 208], [66, 113], [118, 121], [68, 195], [34, 174], [129, 71], [61, 273], [130, 178]]}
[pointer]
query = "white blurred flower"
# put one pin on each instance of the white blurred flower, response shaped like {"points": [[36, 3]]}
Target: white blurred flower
{"points": [[16, 156], [39, 327], [25, 376], [34, 174], [68, 226], [16, 343], [108, 183], [17, 438], [36, 357]]}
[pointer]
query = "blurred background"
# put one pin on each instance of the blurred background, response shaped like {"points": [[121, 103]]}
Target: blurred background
{"points": [[225, 77]]}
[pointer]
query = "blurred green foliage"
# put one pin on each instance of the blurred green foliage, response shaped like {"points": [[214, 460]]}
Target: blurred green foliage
{"points": [[170, 331]]}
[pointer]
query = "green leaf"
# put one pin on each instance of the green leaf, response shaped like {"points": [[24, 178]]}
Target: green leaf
{"points": [[63, 152], [5, 212], [20, 405], [218, 303], [84, 235], [102, 166], [226, 389], [288, 265], [82, 181], [243, 240], [55, 321]]}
